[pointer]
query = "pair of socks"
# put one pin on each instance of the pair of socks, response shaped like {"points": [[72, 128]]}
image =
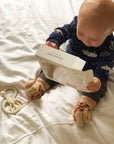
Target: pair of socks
{"points": [[81, 112]]}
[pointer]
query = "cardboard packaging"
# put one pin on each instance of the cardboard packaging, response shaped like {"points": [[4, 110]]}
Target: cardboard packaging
{"points": [[64, 68]]}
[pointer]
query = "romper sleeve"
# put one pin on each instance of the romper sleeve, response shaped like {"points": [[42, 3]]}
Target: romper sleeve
{"points": [[61, 34], [106, 60]]}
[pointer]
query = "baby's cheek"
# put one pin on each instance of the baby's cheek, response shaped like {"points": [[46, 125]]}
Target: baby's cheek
{"points": [[96, 44]]}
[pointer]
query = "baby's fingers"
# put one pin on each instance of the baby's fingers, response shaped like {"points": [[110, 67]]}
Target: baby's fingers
{"points": [[92, 89], [48, 43]]}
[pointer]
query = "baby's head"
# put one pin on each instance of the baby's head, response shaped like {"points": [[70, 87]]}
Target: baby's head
{"points": [[95, 21]]}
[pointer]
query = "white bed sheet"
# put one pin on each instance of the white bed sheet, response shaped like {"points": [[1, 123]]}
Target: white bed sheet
{"points": [[24, 25]]}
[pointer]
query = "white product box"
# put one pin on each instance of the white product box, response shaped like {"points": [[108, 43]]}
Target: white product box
{"points": [[64, 68]]}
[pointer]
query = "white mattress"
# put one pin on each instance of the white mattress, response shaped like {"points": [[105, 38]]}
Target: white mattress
{"points": [[24, 25]]}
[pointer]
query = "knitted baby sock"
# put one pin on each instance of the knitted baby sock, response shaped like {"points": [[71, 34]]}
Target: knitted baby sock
{"points": [[82, 111], [35, 88]]}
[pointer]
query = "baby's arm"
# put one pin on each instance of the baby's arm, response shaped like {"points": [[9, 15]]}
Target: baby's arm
{"points": [[61, 34], [104, 65]]}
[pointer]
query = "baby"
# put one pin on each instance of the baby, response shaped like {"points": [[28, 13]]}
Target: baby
{"points": [[90, 38]]}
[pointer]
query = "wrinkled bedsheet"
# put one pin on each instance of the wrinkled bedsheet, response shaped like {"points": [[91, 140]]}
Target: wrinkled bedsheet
{"points": [[24, 25]]}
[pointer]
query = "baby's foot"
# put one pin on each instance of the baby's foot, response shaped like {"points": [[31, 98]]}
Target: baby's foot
{"points": [[82, 110], [36, 88]]}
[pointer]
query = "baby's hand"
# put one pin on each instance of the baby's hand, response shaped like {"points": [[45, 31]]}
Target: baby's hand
{"points": [[48, 43], [95, 85]]}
